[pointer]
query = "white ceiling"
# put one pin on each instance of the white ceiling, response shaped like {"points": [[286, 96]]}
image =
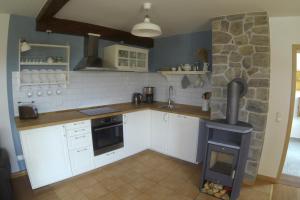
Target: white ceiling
{"points": [[174, 16], [21, 7]]}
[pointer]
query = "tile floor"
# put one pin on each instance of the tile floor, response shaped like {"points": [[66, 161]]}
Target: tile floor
{"points": [[145, 176], [292, 162]]}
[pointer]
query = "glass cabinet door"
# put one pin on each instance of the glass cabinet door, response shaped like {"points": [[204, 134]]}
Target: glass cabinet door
{"points": [[123, 53], [141, 56]]}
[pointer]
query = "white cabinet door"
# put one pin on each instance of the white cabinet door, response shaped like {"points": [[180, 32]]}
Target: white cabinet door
{"points": [[159, 131], [183, 137], [81, 160], [136, 128], [46, 155]]}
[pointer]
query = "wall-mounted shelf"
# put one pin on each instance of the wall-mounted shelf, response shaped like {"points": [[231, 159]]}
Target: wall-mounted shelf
{"points": [[165, 73], [35, 70], [44, 63]]}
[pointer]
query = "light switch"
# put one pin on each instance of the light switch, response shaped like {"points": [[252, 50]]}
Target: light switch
{"points": [[278, 117]]}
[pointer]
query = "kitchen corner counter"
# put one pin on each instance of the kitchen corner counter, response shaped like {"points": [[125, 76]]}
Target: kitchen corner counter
{"points": [[67, 116]]}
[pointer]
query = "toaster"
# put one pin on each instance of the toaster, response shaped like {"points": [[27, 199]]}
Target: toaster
{"points": [[28, 112]]}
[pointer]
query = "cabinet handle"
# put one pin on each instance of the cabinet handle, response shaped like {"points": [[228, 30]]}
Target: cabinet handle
{"points": [[233, 173], [111, 153], [83, 136], [165, 117], [85, 149]]}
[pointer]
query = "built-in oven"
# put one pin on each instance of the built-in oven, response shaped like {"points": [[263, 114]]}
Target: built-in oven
{"points": [[107, 134]]}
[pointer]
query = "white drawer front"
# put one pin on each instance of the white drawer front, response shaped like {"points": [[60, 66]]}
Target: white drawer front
{"points": [[79, 131], [81, 160], [79, 141], [109, 157], [78, 125]]}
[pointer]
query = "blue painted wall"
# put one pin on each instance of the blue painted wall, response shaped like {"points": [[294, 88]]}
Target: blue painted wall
{"points": [[178, 49], [168, 51]]}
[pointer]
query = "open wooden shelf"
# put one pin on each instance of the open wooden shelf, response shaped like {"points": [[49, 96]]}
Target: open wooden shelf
{"points": [[183, 72]]}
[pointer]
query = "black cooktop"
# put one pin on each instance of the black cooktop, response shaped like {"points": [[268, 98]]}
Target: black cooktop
{"points": [[98, 111]]}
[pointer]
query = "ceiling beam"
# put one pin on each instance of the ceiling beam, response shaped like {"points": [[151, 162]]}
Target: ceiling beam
{"points": [[46, 21], [50, 8]]}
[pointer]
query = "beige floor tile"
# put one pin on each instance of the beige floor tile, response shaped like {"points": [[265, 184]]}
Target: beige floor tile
{"points": [[130, 176], [51, 195], [249, 194], [112, 184], [126, 192], [202, 196], [177, 197], [85, 181], [73, 196], [144, 196], [143, 184], [64, 190], [95, 191], [173, 183], [159, 192], [156, 175], [109, 196], [189, 190], [141, 168]]}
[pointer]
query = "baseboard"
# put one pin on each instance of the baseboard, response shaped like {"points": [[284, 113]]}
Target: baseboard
{"points": [[289, 180], [266, 178], [18, 174]]}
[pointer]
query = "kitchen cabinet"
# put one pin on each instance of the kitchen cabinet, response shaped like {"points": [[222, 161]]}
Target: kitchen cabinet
{"points": [[159, 131], [136, 128], [126, 58], [46, 155], [182, 139]]}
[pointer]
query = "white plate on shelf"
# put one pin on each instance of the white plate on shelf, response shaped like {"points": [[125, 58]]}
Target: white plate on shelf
{"points": [[51, 76], [44, 76], [26, 76], [35, 76], [60, 76]]}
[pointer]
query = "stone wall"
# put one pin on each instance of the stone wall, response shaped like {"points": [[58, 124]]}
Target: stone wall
{"points": [[241, 48]]}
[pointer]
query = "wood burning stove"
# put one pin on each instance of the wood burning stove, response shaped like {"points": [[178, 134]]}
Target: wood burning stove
{"points": [[226, 154], [226, 149]]}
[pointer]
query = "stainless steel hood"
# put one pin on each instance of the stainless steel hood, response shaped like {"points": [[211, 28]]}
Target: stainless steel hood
{"points": [[91, 60]]}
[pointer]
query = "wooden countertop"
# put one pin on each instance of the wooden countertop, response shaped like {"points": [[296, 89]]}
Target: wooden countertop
{"points": [[67, 116]]}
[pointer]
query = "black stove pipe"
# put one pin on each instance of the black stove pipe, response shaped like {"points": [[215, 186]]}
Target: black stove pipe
{"points": [[236, 89]]}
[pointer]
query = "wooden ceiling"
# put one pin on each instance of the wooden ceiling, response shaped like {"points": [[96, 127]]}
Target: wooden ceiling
{"points": [[46, 21]]}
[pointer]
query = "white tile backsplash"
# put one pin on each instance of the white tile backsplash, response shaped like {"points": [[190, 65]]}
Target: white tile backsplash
{"points": [[100, 88]]}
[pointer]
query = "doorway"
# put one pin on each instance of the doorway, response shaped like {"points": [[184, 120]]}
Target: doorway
{"points": [[289, 170]]}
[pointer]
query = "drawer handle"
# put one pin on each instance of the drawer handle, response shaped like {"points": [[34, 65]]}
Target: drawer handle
{"points": [[83, 136], [85, 149], [108, 154], [81, 130]]}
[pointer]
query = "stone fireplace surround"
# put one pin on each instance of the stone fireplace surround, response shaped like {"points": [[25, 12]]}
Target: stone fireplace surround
{"points": [[241, 48]]}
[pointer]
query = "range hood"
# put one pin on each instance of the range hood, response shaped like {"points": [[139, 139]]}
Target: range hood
{"points": [[91, 60]]}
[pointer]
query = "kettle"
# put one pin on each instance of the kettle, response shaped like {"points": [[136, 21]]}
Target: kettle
{"points": [[137, 98]]}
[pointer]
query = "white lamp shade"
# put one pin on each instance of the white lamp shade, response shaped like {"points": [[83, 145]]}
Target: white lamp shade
{"points": [[146, 29]]}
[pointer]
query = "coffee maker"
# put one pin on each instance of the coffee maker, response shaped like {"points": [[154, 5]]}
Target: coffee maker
{"points": [[148, 94]]}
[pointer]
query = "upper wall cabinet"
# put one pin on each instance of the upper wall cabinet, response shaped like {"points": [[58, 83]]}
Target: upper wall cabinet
{"points": [[126, 58]]}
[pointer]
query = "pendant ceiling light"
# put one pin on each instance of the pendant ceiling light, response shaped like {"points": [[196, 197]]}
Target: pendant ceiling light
{"points": [[146, 28]]}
